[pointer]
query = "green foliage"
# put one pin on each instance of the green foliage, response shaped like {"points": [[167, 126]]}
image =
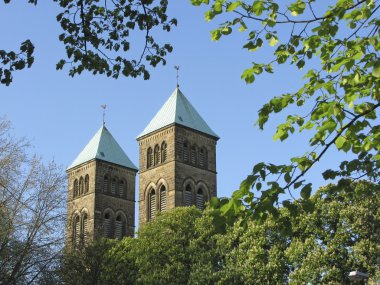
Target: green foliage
{"points": [[338, 103], [99, 41], [334, 232], [97, 38]]}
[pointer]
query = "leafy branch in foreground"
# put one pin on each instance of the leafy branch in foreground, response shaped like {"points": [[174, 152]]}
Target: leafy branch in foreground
{"points": [[104, 37], [97, 36], [338, 103]]}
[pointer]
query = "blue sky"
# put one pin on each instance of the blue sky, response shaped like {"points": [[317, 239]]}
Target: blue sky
{"points": [[60, 114]]}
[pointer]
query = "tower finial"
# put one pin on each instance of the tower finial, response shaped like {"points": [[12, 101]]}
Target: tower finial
{"points": [[104, 113], [177, 68]]}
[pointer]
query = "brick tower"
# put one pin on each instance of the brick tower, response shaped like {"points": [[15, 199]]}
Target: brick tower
{"points": [[177, 159], [101, 192]]}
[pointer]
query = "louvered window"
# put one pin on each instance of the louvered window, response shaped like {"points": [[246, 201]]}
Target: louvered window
{"points": [[107, 226], [85, 228], [185, 152], [105, 184], [193, 155], [163, 152], [86, 184], [202, 157], [75, 188], [76, 233], [113, 186], [122, 188], [200, 200], [188, 197], [152, 205], [163, 199], [156, 154], [119, 227], [81, 186], [149, 158]]}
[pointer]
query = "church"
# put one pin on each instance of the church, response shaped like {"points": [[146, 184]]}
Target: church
{"points": [[177, 167]]}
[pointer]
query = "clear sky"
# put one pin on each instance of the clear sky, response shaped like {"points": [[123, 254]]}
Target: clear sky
{"points": [[60, 114]]}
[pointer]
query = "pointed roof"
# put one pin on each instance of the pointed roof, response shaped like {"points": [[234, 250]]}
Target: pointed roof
{"points": [[104, 147], [177, 109]]}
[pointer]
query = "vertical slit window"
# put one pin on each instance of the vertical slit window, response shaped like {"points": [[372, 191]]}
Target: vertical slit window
{"points": [[185, 152], [163, 152], [119, 233], [163, 199], [202, 157], [152, 205], [113, 186], [107, 226], [86, 184], [81, 185], [156, 154], [76, 233], [75, 188], [200, 202], [105, 184], [85, 228], [188, 196], [193, 155], [149, 158], [122, 188]]}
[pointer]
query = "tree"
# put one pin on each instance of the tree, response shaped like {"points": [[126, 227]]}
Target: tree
{"points": [[162, 251], [96, 35], [338, 103], [32, 212], [340, 235]]}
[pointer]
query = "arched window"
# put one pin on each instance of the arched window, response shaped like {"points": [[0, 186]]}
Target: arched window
{"points": [[193, 154], [86, 184], [85, 228], [149, 158], [162, 198], [202, 157], [105, 184], [119, 227], [107, 225], [163, 151], [81, 185], [188, 196], [200, 201], [185, 152], [152, 205], [156, 154], [76, 231], [113, 185], [122, 188], [75, 188]]}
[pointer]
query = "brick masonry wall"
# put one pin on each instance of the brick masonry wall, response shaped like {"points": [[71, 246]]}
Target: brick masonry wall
{"points": [[174, 172]]}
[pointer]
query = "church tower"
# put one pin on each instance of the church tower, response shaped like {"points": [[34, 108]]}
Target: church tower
{"points": [[101, 192], [177, 159]]}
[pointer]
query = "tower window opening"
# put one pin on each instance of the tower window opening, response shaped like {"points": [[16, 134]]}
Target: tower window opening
{"points": [[163, 152], [81, 185], [152, 205], [119, 227], [188, 196], [200, 203], [105, 184], [122, 187], [149, 158], [86, 184], [156, 154], [185, 152], [107, 226], [193, 155], [75, 188], [113, 186], [163, 199]]}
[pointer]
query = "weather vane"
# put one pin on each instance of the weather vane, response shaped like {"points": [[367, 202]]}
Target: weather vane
{"points": [[177, 68], [104, 113]]}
